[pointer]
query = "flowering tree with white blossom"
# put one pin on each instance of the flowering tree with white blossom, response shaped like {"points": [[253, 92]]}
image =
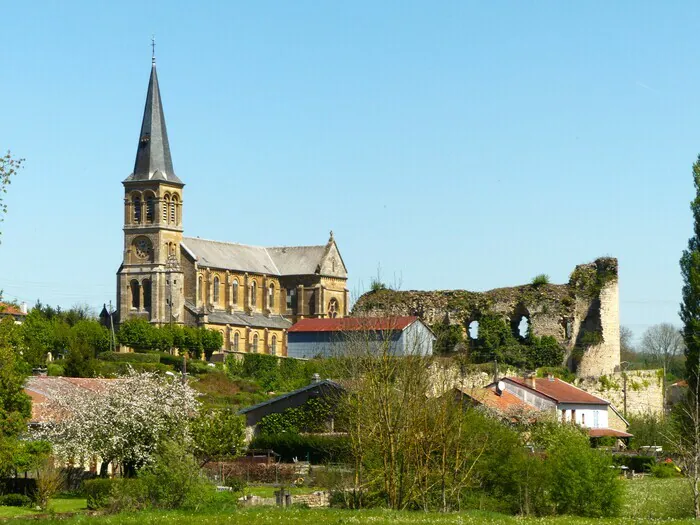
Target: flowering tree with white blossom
{"points": [[123, 421]]}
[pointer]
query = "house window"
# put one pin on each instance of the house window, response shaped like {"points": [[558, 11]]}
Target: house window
{"points": [[254, 345], [273, 345], [596, 423], [271, 298], [253, 293], [583, 419], [235, 341], [234, 292], [573, 416], [201, 289], [216, 290], [563, 416]]}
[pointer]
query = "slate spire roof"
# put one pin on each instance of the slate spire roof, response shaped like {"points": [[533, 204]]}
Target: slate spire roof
{"points": [[153, 160]]}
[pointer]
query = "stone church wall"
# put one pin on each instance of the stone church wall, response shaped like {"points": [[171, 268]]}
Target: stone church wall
{"points": [[582, 315]]}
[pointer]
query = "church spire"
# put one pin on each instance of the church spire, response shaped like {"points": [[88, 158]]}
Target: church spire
{"points": [[153, 161]]}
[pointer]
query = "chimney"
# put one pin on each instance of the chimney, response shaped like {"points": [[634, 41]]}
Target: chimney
{"points": [[23, 307], [530, 381], [550, 377], [315, 379]]}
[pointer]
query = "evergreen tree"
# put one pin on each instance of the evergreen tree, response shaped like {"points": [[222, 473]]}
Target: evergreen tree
{"points": [[690, 269]]}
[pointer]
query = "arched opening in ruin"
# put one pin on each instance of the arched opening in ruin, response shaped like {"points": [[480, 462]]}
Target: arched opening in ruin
{"points": [[520, 322], [523, 327], [473, 330]]}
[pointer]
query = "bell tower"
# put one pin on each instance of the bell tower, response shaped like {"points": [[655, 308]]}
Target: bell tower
{"points": [[150, 279]]}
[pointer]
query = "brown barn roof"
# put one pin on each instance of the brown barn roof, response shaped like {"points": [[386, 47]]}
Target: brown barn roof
{"points": [[44, 390], [607, 432], [489, 398]]}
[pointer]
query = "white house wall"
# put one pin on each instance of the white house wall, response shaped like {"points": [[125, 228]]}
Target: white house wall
{"points": [[585, 414]]}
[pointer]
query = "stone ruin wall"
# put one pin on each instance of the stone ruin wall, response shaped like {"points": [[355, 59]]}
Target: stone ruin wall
{"points": [[582, 315]]}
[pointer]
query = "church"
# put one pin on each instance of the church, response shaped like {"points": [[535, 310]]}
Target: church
{"points": [[251, 294]]}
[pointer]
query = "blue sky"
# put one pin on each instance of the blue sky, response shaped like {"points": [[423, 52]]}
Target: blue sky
{"points": [[456, 144]]}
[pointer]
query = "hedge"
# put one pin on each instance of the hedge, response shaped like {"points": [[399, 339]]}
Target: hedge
{"points": [[107, 368], [128, 357], [98, 492], [15, 500], [635, 463], [316, 448]]}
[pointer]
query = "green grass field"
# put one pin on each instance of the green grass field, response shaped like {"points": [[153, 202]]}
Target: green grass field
{"points": [[649, 498]]}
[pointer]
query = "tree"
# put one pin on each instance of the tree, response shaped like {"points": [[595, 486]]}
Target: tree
{"points": [[123, 421], [217, 434], [663, 342], [9, 166], [690, 270], [627, 352]]}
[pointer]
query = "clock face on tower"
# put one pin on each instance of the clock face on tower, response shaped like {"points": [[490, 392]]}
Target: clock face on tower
{"points": [[142, 248]]}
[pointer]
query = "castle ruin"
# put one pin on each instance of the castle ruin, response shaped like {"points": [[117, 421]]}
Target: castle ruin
{"points": [[582, 315]]}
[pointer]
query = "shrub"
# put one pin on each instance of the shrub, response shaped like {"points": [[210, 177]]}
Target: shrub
{"points": [[539, 280], [665, 470], [55, 369], [98, 492], [15, 500], [318, 449], [128, 357], [174, 480], [171, 360]]}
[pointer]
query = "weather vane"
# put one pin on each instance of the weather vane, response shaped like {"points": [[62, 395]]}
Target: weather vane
{"points": [[153, 48]]}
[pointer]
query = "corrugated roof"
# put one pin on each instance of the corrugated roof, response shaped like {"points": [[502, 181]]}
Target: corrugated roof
{"points": [[559, 391], [353, 324]]}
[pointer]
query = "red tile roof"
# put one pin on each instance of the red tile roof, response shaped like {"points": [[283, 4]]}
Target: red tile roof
{"points": [[560, 391], [10, 309], [353, 324], [43, 390], [489, 398], [607, 432]]}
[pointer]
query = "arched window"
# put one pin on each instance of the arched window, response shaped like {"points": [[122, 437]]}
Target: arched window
{"points": [[333, 308], [234, 292], [146, 294], [236, 337], [271, 292], [173, 210], [273, 345], [253, 294], [201, 289], [254, 345], [135, 295], [166, 205], [136, 204], [150, 209], [216, 290]]}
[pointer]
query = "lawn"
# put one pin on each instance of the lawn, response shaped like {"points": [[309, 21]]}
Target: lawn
{"points": [[59, 505], [644, 499]]}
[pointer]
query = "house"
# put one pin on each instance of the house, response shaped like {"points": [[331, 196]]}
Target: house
{"points": [[407, 335], [569, 403], [316, 389], [18, 313]]}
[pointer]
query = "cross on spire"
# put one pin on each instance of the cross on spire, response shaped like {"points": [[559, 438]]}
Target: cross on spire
{"points": [[153, 48]]}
